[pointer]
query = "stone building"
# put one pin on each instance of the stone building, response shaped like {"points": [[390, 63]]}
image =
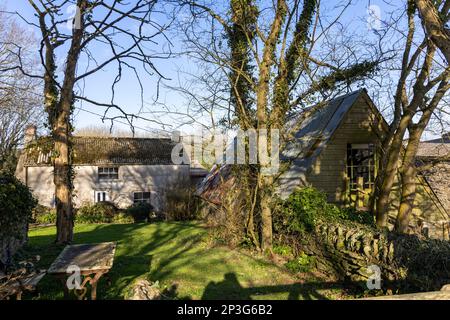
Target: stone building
{"points": [[433, 160], [120, 170], [335, 148]]}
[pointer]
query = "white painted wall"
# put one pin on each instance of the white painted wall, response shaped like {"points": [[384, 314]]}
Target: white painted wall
{"points": [[157, 179]]}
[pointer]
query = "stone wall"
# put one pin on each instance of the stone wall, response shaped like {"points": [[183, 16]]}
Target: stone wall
{"points": [[438, 176], [407, 263], [156, 179]]}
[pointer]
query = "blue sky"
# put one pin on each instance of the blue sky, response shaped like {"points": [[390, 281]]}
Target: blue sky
{"points": [[97, 87]]}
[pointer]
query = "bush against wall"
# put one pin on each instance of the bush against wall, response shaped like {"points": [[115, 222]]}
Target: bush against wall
{"points": [[16, 205], [43, 215], [182, 204], [140, 212], [337, 242], [306, 206], [100, 212]]}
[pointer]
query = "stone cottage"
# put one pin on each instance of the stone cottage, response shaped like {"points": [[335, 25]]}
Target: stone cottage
{"points": [[335, 147], [433, 160], [120, 170]]}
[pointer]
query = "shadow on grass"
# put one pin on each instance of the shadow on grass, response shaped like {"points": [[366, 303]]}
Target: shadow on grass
{"points": [[135, 243], [230, 288], [170, 252]]}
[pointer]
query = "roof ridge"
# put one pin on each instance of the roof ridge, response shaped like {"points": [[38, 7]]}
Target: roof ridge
{"points": [[136, 138]]}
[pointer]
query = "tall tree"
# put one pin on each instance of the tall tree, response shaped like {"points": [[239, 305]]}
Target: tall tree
{"points": [[434, 16], [20, 99], [422, 84], [127, 31], [272, 69]]}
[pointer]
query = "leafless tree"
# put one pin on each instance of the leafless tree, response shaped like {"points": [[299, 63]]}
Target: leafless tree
{"points": [[269, 56], [20, 99], [131, 35], [421, 86]]}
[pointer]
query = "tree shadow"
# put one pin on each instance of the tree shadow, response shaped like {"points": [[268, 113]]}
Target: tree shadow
{"points": [[133, 257], [230, 289]]}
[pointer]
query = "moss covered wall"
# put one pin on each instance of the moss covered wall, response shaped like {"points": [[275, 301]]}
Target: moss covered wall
{"points": [[407, 262]]}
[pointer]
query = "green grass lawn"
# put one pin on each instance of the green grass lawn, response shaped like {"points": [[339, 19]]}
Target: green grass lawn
{"points": [[182, 258]]}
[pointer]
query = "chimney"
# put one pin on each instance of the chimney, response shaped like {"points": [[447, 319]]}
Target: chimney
{"points": [[30, 133]]}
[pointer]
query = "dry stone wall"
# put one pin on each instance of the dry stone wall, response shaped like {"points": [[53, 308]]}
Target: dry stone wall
{"points": [[406, 262]]}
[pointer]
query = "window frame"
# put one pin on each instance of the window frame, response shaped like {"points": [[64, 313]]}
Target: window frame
{"points": [[112, 174], [103, 194], [142, 198], [371, 166]]}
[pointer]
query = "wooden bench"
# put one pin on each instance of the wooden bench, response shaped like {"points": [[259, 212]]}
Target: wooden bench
{"points": [[92, 260]]}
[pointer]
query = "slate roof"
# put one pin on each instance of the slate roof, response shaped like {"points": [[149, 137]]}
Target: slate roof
{"points": [[313, 133], [312, 137], [112, 150], [435, 149]]}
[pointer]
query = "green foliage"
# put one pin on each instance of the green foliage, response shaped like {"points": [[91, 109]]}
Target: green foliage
{"points": [[46, 218], [305, 206], [282, 250], [122, 218], [43, 215], [351, 74], [302, 263], [362, 217], [301, 210], [8, 161], [140, 211], [182, 205], [101, 212], [16, 205]]}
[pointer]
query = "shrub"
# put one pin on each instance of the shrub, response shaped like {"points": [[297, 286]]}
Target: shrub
{"points": [[305, 206], [362, 217], [182, 205], [101, 212], [302, 263], [46, 218], [16, 205], [282, 250], [140, 211], [43, 215], [301, 210], [122, 218]]}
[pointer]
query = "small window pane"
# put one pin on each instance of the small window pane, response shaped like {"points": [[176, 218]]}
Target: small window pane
{"points": [[108, 173]]}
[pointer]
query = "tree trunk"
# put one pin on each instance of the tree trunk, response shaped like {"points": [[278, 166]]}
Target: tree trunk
{"points": [[407, 199], [62, 180], [266, 214], [389, 173], [434, 26], [408, 172], [61, 134]]}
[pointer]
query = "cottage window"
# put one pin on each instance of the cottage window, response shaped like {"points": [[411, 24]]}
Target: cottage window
{"points": [[361, 166], [141, 197], [100, 196], [108, 173]]}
